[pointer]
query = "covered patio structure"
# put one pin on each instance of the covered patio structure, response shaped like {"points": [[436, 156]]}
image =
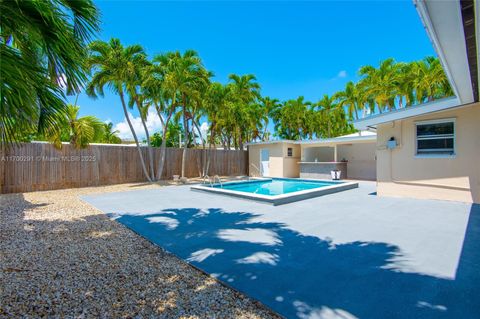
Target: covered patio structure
{"points": [[353, 155]]}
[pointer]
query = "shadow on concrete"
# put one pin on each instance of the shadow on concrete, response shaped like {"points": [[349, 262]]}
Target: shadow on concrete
{"points": [[91, 267], [306, 277]]}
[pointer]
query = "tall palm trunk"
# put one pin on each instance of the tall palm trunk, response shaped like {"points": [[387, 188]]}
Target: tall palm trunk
{"points": [[211, 141], [163, 151], [147, 136], [209, 155], [142, 161], [229, 142], [185, 127], [240, 141], [204, 150], [356, 111], [224, 141], [163, 147], [264, 134]]}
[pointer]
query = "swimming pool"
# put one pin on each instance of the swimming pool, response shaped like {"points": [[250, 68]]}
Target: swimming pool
{"points": [[274, 186], [277, 191]]}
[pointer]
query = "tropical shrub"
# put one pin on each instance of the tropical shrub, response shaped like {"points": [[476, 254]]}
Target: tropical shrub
{"points": [[42, 48]]}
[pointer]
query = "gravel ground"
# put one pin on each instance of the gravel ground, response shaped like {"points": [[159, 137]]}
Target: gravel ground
{"points": [[62, 258]]}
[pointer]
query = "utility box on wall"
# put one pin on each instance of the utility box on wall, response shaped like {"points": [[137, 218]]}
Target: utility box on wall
{"points": [[392, 143]]}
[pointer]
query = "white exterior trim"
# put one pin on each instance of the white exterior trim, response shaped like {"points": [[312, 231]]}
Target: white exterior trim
{"points": [[477, 35], [334, 140], [422, 10], [412, 111], [450, 119], [271, 142], [444, 25], [437, 121]]}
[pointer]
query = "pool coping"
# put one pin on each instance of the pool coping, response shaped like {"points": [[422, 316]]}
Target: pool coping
{"points": [[283, 198]]}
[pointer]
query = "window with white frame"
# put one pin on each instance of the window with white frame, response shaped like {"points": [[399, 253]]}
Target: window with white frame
{"points": [[436, 138]]}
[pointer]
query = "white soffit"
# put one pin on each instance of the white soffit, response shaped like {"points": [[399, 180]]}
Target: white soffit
{"points": [[444, 25]]}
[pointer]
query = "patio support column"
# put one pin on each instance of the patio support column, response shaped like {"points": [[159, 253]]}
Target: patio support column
{"points": [[335, 159]]}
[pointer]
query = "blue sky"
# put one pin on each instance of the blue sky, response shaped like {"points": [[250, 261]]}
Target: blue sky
{"points": [[294, 48]]}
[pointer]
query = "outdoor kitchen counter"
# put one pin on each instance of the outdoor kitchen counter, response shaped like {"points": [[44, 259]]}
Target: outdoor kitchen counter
{"points": [[321, 170]]}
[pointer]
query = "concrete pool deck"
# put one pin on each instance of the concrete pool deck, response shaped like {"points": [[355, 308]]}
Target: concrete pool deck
{"points": [[345, 255]]}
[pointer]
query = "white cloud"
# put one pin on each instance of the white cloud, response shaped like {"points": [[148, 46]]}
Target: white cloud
{"points": [[153, 125], [342, 74], [204, 130]]}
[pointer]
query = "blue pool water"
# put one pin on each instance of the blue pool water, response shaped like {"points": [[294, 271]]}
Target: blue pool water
{"points": [[275, 186]]}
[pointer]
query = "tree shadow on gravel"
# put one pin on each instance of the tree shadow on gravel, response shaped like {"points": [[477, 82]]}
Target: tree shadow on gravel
{"points": [[304, 276], [91, 266]]}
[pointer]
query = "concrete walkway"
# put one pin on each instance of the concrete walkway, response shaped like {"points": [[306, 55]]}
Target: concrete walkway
{"points": [[345, 255]]}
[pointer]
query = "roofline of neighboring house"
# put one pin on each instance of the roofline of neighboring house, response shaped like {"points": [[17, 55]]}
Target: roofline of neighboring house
{"points": [[271, 142], [336, 140], [348, 139], [403, 113]]}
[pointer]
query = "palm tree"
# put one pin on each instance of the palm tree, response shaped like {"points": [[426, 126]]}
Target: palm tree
{"points": [[381, 83], [270, 107], [255, 118], [190, 78], [162, 96], [139, 72], [245, 91], [42, 47], [115, 66], [216, 102], [430, 81], [290, 121], [217, 107], [405, 85], [350, 98], [79, 131], [245, 87], [110, 136], [328, 108], [183, 81], [409, 83]]}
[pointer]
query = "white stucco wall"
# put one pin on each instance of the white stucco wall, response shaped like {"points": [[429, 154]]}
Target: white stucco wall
{"points": [[401, 173]]}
